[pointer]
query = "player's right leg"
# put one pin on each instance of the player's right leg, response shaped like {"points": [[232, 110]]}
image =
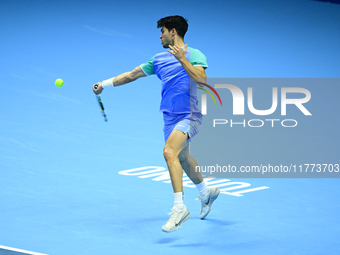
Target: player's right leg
{"points": [[175, 143]]}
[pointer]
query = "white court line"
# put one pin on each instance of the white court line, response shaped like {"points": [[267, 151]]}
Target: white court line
{"points": [[22, 251]]}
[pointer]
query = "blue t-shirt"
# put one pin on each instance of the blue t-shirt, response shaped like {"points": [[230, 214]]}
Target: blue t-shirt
{"points": [[179, 92]]}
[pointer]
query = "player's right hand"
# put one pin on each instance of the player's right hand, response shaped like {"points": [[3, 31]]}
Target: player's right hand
{"points": [[97, 88]]}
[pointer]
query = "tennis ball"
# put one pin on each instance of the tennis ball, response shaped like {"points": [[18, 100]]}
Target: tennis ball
{"points": [[59, 82]]}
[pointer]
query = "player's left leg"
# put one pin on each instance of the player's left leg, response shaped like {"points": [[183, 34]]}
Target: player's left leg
{"points": [[207, 195], [189, 165], [173, 146]]}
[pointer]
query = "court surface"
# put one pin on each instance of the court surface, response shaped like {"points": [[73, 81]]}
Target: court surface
{"points": [[62, 192], [73, 184]]}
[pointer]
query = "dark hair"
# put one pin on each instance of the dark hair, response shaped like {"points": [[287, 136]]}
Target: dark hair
{"points": [[177, 22]]}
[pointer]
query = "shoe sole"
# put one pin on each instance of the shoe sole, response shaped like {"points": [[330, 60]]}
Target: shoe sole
{"points": [[211, 201], [185, 218]]}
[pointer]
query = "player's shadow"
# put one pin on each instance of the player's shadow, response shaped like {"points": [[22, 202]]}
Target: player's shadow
{"points": [[166, 240], [222, 246], [218, 222], [213, 222]]}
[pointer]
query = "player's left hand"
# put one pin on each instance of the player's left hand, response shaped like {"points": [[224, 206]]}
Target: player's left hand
{"points": [[177, 51]]}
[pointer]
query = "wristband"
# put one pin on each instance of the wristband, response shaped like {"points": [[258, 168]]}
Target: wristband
{"points": [[108, 82]]}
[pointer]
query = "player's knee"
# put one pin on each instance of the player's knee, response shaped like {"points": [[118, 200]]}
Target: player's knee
{"points": [[168, 153]]}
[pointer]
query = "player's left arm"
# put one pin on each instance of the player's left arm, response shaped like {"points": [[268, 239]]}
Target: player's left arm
{"points": [[197, 73]]}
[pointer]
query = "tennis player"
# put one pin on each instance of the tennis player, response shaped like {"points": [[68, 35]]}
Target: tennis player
{"points": [[180, 69]]}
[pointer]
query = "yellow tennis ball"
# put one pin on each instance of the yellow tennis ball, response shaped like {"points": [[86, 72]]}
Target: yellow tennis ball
{"points": [[59, 82]]}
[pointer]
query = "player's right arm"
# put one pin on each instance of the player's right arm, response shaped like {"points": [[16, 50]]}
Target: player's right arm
{"points": [[121, 79]]}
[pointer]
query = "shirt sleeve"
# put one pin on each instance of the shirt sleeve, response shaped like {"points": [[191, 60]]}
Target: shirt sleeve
{"points": [[197, 58], [147, 67]]}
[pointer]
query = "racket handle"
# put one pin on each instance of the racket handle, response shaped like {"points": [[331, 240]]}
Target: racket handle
{"points": [[95, 87]]}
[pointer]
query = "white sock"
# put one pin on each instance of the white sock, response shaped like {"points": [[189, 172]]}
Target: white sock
{"points": [[202, 188], [179, 200]]}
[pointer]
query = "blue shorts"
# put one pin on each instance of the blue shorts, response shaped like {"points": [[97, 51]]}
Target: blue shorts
{"points": [[187, 123]]}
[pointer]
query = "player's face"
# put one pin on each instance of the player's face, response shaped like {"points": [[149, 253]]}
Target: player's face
{"points": [[166, 38]]}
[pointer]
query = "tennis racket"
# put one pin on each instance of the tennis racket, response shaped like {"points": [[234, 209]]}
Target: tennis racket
{"points": [[101, 106]]}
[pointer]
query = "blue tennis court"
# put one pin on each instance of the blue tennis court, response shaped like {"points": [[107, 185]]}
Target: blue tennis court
{"points": [[71, 183]]}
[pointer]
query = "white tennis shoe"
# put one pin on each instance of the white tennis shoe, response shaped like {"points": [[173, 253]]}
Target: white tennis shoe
{"points": [[176, 219], [207, 201]]}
